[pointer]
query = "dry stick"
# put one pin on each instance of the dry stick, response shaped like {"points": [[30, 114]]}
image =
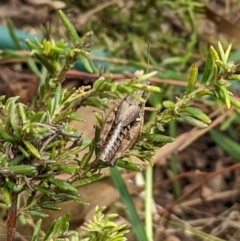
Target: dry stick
{"points": [[12, 217], [199, 184], [214, 197]]}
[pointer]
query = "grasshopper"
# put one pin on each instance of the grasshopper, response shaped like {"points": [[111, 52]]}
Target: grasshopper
{"points": [[121, 128]]}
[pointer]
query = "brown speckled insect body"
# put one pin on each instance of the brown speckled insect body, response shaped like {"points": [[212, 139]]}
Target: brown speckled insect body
{"points": [[121, 128]]}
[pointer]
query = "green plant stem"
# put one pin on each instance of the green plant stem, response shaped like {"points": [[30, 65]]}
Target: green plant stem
{"points": [[148, 203]]}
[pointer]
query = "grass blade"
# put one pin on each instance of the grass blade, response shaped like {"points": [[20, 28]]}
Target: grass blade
{"points": [[137, 227]]}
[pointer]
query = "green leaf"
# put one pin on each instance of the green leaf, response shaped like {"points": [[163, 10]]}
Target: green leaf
{"points": [[13, 34], [137, 227], [62, 224], [16, 161], [67, 95], [36, 116], [191, 121], [49, 207], [129, 165], [25, 170], [222, 54], [208, 68], [5, 136], [24, 152], [50, 231], [198, 114], [44, 190], [58, 96], [92, 101], [235, 103], [227, 144], [38, 213], [13, 114], [50, 106], [192, 79], [159, 138], [6, 196], [57, 228], [37, 229], [63, 186], [71, 30], [87, 156], [70, 169], [84, 60], [32, 149], [84, 181], [226, 96], [75, 116], [44, 60], [98, 83]]}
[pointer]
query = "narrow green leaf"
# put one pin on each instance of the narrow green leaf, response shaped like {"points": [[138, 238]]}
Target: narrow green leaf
{"points": [[6, 196], [25, 170], [67, 95], [222, 54], [235, 103], [13, 114], [71, 30], [32, 149], [147, 76], [226, 96], [22, 112], [159, 138], [33, 67], [98, 83], [37, 230], [191, 121], [137, 227], [75, 116], [36, 116], [38, 214], [192, 79], [44, 190], [24, 152], [5, 136], [16, 161], [50, 207], [87, 156], [84, 60], [129, 165], [58, 96], [49, 231], [84, 181], [62, 224], [44, 60], [208, 68], [92, 101], [63, 186], [70, 169], [228, 51], [13, 34], [198, 114], [227, 144], [50, 106]]}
